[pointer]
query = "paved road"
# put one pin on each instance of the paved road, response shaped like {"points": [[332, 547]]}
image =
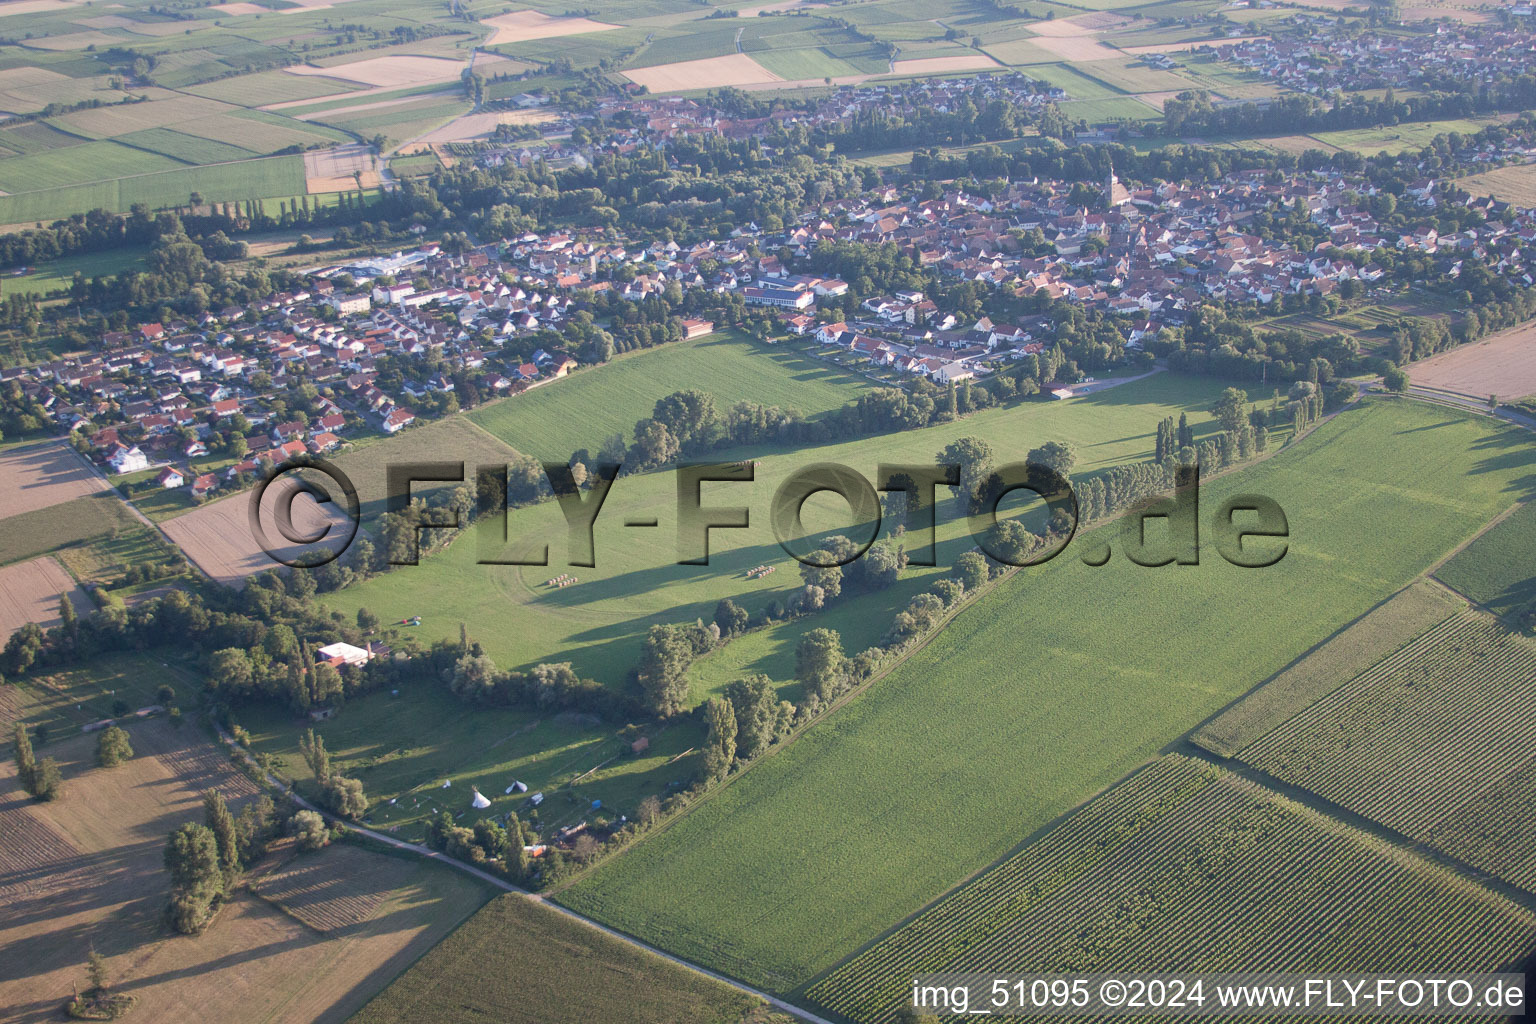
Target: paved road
{"points": [[1473, 404], [505, 886]]}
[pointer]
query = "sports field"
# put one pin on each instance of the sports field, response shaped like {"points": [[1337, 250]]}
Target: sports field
{"points": [[1052, 688]]}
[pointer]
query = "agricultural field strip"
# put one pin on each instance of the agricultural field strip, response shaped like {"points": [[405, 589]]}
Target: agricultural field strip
{"points": [[1115, 884], [501, 883], [1413, 740], [1375, 635], [758, 875]]}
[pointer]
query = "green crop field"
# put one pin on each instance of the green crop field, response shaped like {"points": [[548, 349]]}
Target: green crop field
{"points": [[1053, 687], [1434, 742], [266, 178], [93, 161], [1380, 631], [597, 402], [1189, 868], [1499, 568], [266, 87], [186, 148], [815, 62], [92, 520], [517, 960], [599, 622]]}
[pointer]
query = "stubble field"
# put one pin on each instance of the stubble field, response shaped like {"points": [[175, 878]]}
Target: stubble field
{"points": [[36, 476], [85, 872], [1502, 364]]}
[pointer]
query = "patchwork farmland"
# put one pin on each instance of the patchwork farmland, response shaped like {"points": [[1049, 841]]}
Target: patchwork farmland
{"points": [[1434, 742], [1185, 867], [85, 872], [704, 886]]}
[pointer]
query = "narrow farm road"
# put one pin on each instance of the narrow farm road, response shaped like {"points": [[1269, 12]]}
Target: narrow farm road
{"points": [[505, 886]]}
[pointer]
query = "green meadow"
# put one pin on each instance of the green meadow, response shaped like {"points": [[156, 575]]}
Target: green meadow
{"points": [[552, 421], [599, 622], [1047, 691]]}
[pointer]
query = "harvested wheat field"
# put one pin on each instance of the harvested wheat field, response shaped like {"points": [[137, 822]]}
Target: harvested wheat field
{"points": [[1511, 184], [474, 127], [736, 69], [1194, 44], [30, 592], [520, 26], [940, 65], [395, 72], [85, 871], [1082, 47], [220, 540], [340, 168], [1502, 364], [37, 476]]}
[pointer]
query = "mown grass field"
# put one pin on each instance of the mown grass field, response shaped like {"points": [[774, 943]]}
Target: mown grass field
{"points": [[55, 274], [552, 421], [1400, 137], [1049, 690], [516, 960], [1499, 568], [598, 623]]}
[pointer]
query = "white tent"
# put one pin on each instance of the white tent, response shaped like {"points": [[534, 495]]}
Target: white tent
{"points": [[479, 802]]}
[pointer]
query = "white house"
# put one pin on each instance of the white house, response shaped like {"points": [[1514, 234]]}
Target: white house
{"points": [[128, 460]]}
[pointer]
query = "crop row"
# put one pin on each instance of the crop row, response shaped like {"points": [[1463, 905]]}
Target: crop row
{"points": [[1414, 741], [1188, 868]]}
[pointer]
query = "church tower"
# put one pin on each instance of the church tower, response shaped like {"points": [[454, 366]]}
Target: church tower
{"points": [[1116, 195]]}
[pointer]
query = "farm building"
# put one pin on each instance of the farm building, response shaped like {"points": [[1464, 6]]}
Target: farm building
{"points": [[339, 654]]}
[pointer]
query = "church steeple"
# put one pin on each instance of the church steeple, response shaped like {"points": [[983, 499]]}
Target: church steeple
{"points": [[1115, 194]]}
